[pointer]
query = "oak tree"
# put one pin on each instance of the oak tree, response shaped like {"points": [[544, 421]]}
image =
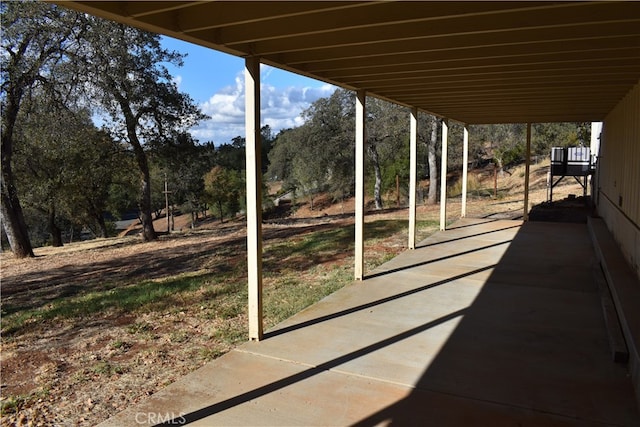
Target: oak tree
{"points": [[134, 88], [36, 41]]}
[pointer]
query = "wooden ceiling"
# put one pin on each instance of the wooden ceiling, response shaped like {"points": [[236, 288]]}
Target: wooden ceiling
{"points": [[473, 62]]}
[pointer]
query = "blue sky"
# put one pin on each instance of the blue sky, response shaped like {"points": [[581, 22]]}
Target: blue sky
{"points": [[215, 81]]}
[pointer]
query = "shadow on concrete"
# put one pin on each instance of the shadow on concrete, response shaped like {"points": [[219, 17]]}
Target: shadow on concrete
{"points": [[571, 209], [531, 349], [306, 374], [471, 224], [352, 310], [426, 245], [528, 349], [431, 261]]}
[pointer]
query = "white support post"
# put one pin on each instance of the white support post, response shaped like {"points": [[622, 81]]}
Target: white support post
{"points": [[465, 164], [413, 138], [254, 196], [443, 176], [527, 165], [359, 208]]}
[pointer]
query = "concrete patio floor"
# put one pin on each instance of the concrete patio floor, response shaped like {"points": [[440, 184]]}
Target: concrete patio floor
{"points": [[491, 323]]}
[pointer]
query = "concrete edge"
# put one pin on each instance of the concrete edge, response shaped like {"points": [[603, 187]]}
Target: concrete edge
{"points": [[617, 343], [625, 291]]}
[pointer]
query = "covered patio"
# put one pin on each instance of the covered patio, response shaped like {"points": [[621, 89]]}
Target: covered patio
{"points": [[480, 325], [487, 323]]}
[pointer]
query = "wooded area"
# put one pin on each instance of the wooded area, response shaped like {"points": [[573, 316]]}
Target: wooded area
{"points": [[62, 174]]}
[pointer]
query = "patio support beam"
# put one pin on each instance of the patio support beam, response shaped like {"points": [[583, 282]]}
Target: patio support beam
{"points": [[465, 164], [443, 176], [527, 166], [254, 195], [359, 208], [413, 150]]}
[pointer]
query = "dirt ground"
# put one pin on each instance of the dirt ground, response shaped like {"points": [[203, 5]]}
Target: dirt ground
{"points": [[81, 372]]}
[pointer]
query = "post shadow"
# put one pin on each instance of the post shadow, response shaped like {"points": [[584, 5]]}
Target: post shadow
{"points": [[431, 261], [465, 237], [366, 306], [532, 349], [308, 373]]}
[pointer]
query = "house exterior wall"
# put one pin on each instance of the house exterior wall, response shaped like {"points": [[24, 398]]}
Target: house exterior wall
{"points": [[618, 178]]}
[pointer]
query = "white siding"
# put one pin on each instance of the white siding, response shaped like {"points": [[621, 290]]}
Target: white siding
{"points": [[619, 175]]}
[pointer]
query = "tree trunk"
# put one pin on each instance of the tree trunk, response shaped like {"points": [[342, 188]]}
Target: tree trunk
{"points": [[13, 222], [433, 164], [148, 232], [11, 214], [377, 188], [144, 203], [102, 225], [56, 233]]}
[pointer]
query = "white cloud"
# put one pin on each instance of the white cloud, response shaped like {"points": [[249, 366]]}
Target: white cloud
{"points": [[177, 80], [265, 71], [280, 108]]}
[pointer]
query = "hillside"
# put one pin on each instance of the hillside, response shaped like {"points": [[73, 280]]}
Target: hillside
{"points": [[480, 199], [480, 195], [95, 326]]}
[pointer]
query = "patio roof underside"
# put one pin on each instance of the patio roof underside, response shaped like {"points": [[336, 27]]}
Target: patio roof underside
{"points": [[473, 62]]}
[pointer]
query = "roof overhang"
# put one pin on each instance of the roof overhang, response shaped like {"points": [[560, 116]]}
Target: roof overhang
{"points": [[474, 62]]}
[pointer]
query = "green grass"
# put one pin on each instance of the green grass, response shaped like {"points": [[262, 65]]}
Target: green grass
{"points": [[295, 292], [12, 404], [107, 368], [300, 271], [146, 295], [381, 229]]}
